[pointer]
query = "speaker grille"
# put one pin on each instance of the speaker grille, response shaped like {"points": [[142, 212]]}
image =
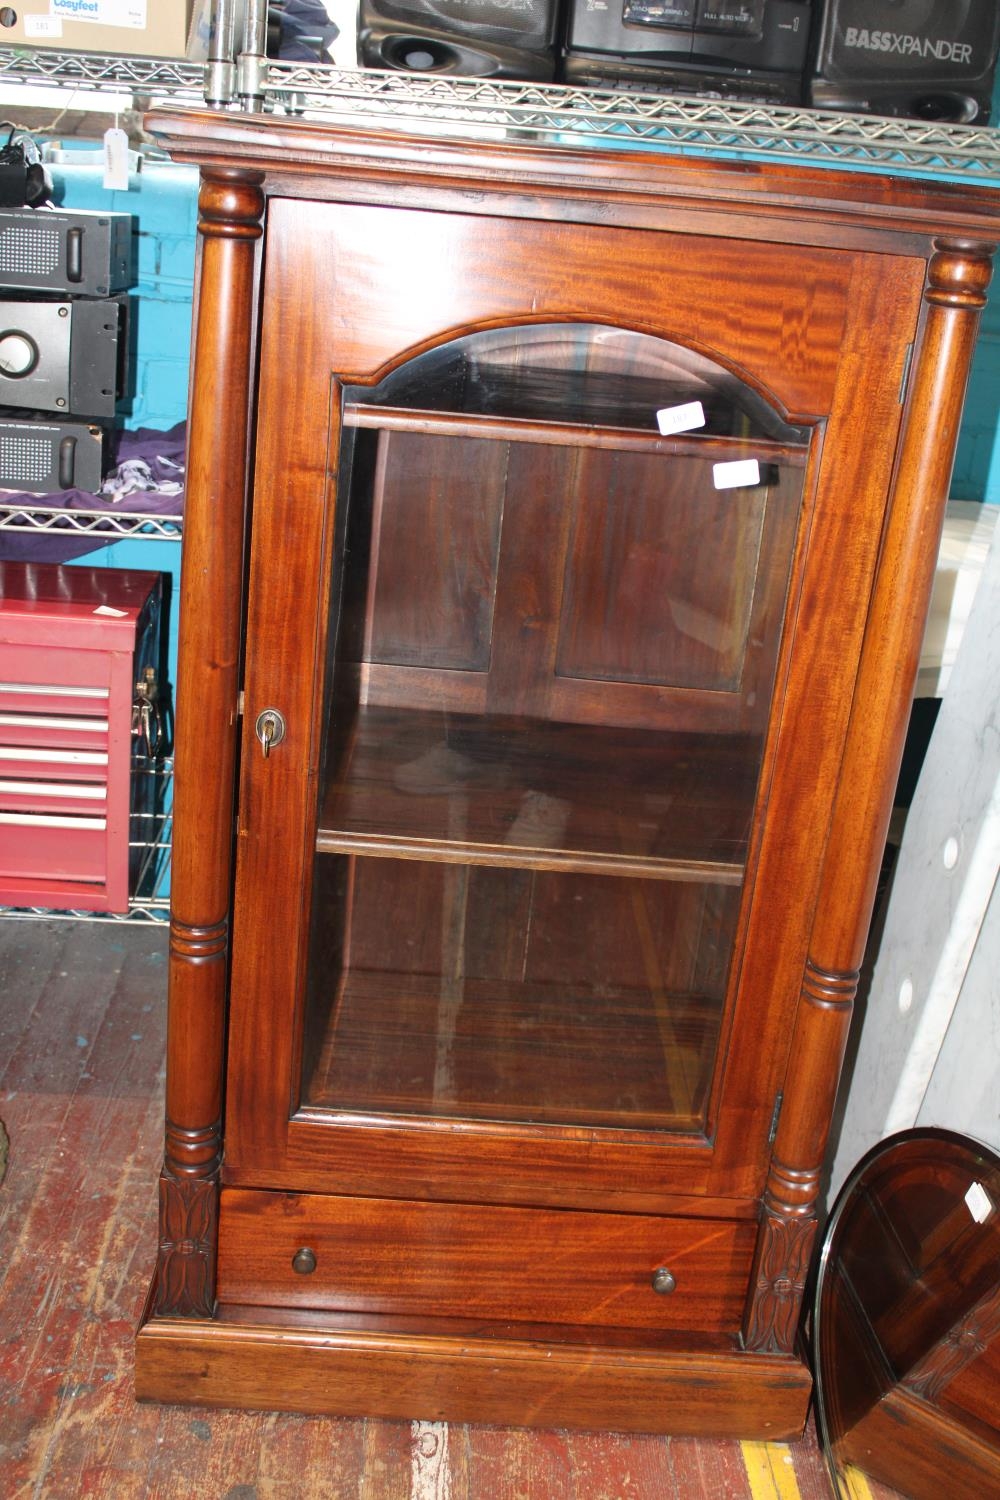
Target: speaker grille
{"points": [[28, 460], [30, 249]]}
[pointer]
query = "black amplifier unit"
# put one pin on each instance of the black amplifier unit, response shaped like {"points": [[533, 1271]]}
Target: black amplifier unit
{"points": [[64, 356], [928, 59], [79, 254], [42, 457], [474, 38], [744, 49]]}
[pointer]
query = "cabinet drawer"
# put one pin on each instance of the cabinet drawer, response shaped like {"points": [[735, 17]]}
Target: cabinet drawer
{"points": [[47, 728], [460, 1260], [39, 847]]}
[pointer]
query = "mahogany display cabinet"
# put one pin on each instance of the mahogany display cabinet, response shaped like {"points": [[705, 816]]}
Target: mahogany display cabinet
{"points": [[560, 527]]}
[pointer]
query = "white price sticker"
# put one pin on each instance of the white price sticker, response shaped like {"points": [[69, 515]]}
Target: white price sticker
{"points": [[737, 474], [979, 1203], [40, 26], [108, 609], [116, 160], [671, 419]]}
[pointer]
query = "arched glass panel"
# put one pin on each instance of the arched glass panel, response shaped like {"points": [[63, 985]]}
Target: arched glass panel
{"points": [[561, 565]]}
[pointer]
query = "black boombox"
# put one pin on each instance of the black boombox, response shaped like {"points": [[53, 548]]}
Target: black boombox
{"points": [[932, 59], [475, 38], [749, 49], [929, 59]]}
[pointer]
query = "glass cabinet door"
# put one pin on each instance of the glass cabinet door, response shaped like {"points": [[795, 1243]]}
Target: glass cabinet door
{"points": [[560, 572]]}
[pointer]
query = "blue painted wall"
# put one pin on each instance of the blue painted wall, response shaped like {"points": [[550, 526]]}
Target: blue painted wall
{"points": [[163, 199], [977, 462]]}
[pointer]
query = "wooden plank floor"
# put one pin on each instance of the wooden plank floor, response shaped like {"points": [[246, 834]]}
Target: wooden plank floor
{"points": [[81, 1047]]}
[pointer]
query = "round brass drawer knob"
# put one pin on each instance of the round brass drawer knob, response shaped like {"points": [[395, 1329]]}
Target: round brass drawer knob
{"points": [[664, 1281], [304, 1262]]}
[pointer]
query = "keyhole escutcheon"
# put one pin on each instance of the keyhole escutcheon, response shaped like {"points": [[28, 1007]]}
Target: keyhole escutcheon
{"points": [[269, 729]]}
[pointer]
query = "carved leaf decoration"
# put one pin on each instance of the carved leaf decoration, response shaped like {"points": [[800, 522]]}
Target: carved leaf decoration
{"points": [[188, 1240], [783, 1251]]}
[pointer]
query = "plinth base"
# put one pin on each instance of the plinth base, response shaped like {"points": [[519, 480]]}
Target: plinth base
{"points": [[443, 1371]]}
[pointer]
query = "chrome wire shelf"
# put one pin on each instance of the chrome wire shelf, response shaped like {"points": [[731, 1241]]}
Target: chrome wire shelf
{"points": [[566, 116], [91, 70], [104, 526], [150, 837], [586, 116]]}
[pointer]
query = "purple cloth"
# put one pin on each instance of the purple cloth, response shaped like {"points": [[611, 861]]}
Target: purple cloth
{"points": [[162, 451]]}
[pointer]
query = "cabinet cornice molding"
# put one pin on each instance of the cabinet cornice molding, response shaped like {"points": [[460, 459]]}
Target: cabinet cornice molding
{"points": [[304, 156]]}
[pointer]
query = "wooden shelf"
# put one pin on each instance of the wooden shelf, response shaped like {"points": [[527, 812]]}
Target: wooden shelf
{"points": [[508, 791], [564, 433], [429, 1044]]}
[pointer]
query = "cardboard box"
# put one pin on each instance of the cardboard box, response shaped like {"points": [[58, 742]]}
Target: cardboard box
{"points": [[132, 28]]}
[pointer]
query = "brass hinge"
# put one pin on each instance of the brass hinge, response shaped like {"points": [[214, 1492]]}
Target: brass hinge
{"points": [[774, 1120], [239, 704]]}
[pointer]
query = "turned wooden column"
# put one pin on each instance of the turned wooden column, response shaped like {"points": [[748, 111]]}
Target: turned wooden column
{"points": [[231, 204], [954, 295]]}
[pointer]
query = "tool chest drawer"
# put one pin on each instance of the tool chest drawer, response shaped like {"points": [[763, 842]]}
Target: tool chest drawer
{"points": [[74, 641]]}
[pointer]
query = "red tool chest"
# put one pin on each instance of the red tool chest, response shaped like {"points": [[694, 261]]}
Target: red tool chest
{"points": [[74, 641]]}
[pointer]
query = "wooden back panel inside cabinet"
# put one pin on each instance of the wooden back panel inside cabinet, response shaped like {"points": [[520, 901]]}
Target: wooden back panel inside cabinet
{"points": [[589, 585]]}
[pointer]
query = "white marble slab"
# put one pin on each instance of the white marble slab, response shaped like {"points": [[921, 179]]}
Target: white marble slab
{"points": [[932, 1003]]}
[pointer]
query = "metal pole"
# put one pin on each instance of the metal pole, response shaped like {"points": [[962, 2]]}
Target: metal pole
{"points": [[220, 70], [251, 65]]}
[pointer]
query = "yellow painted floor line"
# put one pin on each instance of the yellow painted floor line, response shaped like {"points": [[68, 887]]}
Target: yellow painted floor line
{"points": [[855, 1484], [770, 1471]]}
